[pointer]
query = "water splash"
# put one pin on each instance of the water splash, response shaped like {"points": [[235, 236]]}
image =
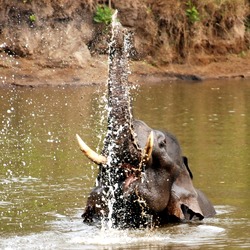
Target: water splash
{"points": [[67, 233], [119, 129]]}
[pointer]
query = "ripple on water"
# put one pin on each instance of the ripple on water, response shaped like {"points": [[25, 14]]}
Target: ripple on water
{"points": [[5, 203], [71, 233]]}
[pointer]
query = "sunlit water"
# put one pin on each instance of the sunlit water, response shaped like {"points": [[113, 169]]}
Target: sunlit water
{"points": [[45, 180]]}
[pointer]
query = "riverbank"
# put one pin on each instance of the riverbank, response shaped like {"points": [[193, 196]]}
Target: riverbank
{"points": [[61, 42], [24, 72]]}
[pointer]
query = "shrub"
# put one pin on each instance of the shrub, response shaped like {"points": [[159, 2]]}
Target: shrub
{"points": [[103, 14], [192, 13], [32, 18]]}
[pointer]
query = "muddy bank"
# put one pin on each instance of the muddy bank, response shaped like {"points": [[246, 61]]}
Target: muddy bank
{"points": [[58, 42], [26, 73]]}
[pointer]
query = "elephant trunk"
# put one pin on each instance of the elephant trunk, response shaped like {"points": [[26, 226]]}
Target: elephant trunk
{"points": [[122, 159], [119, 145], [120, 150]]}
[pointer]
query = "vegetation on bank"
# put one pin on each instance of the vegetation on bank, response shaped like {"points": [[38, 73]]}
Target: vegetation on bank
{"points": [[185, 30], [206, 27], [103, 14], [173, 31]]}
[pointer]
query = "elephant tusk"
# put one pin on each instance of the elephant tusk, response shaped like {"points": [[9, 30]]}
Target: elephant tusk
{"points": [[148, 147], [91, 154]]}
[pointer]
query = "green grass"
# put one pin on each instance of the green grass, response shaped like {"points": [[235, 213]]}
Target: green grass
{"points": [[103, 14], [32, 18], [192, 13]]}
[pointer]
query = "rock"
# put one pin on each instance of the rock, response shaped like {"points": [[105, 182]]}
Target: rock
{"points": [[57, 36]]}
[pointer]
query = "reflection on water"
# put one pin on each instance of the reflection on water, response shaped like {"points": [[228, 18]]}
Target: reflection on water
{"points": [[44, 179]]}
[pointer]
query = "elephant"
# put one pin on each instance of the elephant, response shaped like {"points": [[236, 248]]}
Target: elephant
{"points": [[144, 179], [159, 193]]}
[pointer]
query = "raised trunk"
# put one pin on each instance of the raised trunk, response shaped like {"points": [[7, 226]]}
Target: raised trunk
{"points": [[120, 146]]}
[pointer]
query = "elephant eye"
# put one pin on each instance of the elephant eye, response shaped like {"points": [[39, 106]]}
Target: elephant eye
{"points": [[162, 143]]}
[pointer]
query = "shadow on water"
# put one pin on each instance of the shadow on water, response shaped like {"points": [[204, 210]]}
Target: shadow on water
{"points": [[44, 179]]}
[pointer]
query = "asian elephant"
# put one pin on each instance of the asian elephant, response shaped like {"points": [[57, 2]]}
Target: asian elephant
{"points": [[160, 192], [143, 178]]}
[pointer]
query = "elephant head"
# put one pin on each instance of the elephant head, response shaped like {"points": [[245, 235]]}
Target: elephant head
{"points": [[143, 177], [165, 182]]}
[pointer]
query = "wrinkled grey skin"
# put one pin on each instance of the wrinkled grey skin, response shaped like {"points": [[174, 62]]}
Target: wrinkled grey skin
{"points": [[167, 181], [163, 192]]}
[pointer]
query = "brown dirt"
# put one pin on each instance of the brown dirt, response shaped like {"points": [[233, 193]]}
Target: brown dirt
{"points": [[26, 73], [64, 46], [233, 67]]}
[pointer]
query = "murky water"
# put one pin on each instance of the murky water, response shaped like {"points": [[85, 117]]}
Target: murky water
{"points": [[44, 178]]}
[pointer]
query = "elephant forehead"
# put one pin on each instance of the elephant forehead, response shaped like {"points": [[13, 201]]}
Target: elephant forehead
{"points": [[173, 148], [142, 131]]}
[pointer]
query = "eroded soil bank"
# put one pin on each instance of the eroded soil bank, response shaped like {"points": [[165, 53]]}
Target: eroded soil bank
{"points": [[58, 42], [28, 74]]}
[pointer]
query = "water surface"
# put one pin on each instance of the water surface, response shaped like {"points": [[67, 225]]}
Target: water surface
{"points": [[45, 180]]}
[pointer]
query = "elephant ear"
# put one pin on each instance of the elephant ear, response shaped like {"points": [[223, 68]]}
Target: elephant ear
{"points": [[185, 161], [183, 202]]}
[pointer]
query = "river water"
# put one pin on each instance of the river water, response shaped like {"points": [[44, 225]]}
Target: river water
{"points": [[45, 180]]}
